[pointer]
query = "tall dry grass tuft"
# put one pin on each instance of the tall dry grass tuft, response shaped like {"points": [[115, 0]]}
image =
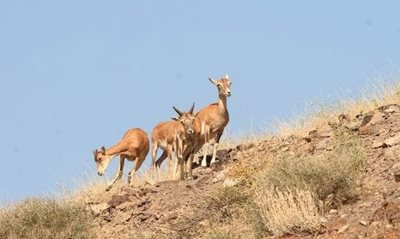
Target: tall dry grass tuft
{"points": [[289, 212], [332, 177], [217, 233], [231, 214], [45, 218], [292, 192]]}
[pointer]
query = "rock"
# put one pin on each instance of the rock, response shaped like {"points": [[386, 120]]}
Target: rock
{"points": [[125, 206], [172, 216], [143, 202], [218, 177], [223, 154], [117, 200], [127, 217], [392, 140], [354, 126], [313, 133], [378, 144], [233, 155], [333, 211], [99, 208], [325, 132], [396, 166], [363, 223], [392, 109], [367, 118], [343, 228], [144, 217], [397, 176], [230, 182], [376, 118], [344, 119], [242, 147], [380, 132]]}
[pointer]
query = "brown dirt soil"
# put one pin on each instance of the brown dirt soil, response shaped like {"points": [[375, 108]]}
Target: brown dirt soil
{"points": [[179, 209]]}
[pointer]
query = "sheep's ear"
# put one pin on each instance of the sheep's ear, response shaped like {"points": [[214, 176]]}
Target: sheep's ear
{"points": [[103, 150]]}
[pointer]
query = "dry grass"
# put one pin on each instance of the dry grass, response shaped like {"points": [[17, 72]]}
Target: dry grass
{"points": [[231, 214], [332, 177], [94, 187], [289, 212], [218, 234], [231, 140], [226, 203], [287, 194], [67, 215], [321, 111], [44, 218]]}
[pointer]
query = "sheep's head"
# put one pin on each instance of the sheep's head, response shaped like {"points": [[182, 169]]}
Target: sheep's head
{"points": [[223, 85], [186, 119], [102, 160]]}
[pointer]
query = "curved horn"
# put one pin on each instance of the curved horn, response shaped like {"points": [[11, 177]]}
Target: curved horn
{"points": [[212, 80], [191, 109], [177, 111]]}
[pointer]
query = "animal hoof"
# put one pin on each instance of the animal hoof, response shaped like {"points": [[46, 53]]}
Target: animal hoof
{"points": [[213, 162]]}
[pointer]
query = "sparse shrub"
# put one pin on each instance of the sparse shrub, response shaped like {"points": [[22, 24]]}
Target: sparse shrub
{"points": [[43, 218], [227, 202], [287, 212], [233, 214], [332, 176], [218, 234], [292, 192]]}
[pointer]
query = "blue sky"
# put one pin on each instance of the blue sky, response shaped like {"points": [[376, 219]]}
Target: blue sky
{"points": [[74, 75]]}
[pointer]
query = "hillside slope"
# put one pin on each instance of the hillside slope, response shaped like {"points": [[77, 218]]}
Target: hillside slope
{"points": [[196, 209]]}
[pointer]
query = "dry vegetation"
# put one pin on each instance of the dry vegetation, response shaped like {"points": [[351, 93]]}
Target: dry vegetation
{"points": [[332, 176], [290, 194], [280, 193], [288, 212], [320, 112], [44, 218]]}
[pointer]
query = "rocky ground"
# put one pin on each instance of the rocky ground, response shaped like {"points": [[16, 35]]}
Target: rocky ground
{"points": [[180, 209]]}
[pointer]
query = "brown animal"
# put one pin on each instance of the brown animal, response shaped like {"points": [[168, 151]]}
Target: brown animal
{"points": [[172, 136], [134, 146], [210, 123]]}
